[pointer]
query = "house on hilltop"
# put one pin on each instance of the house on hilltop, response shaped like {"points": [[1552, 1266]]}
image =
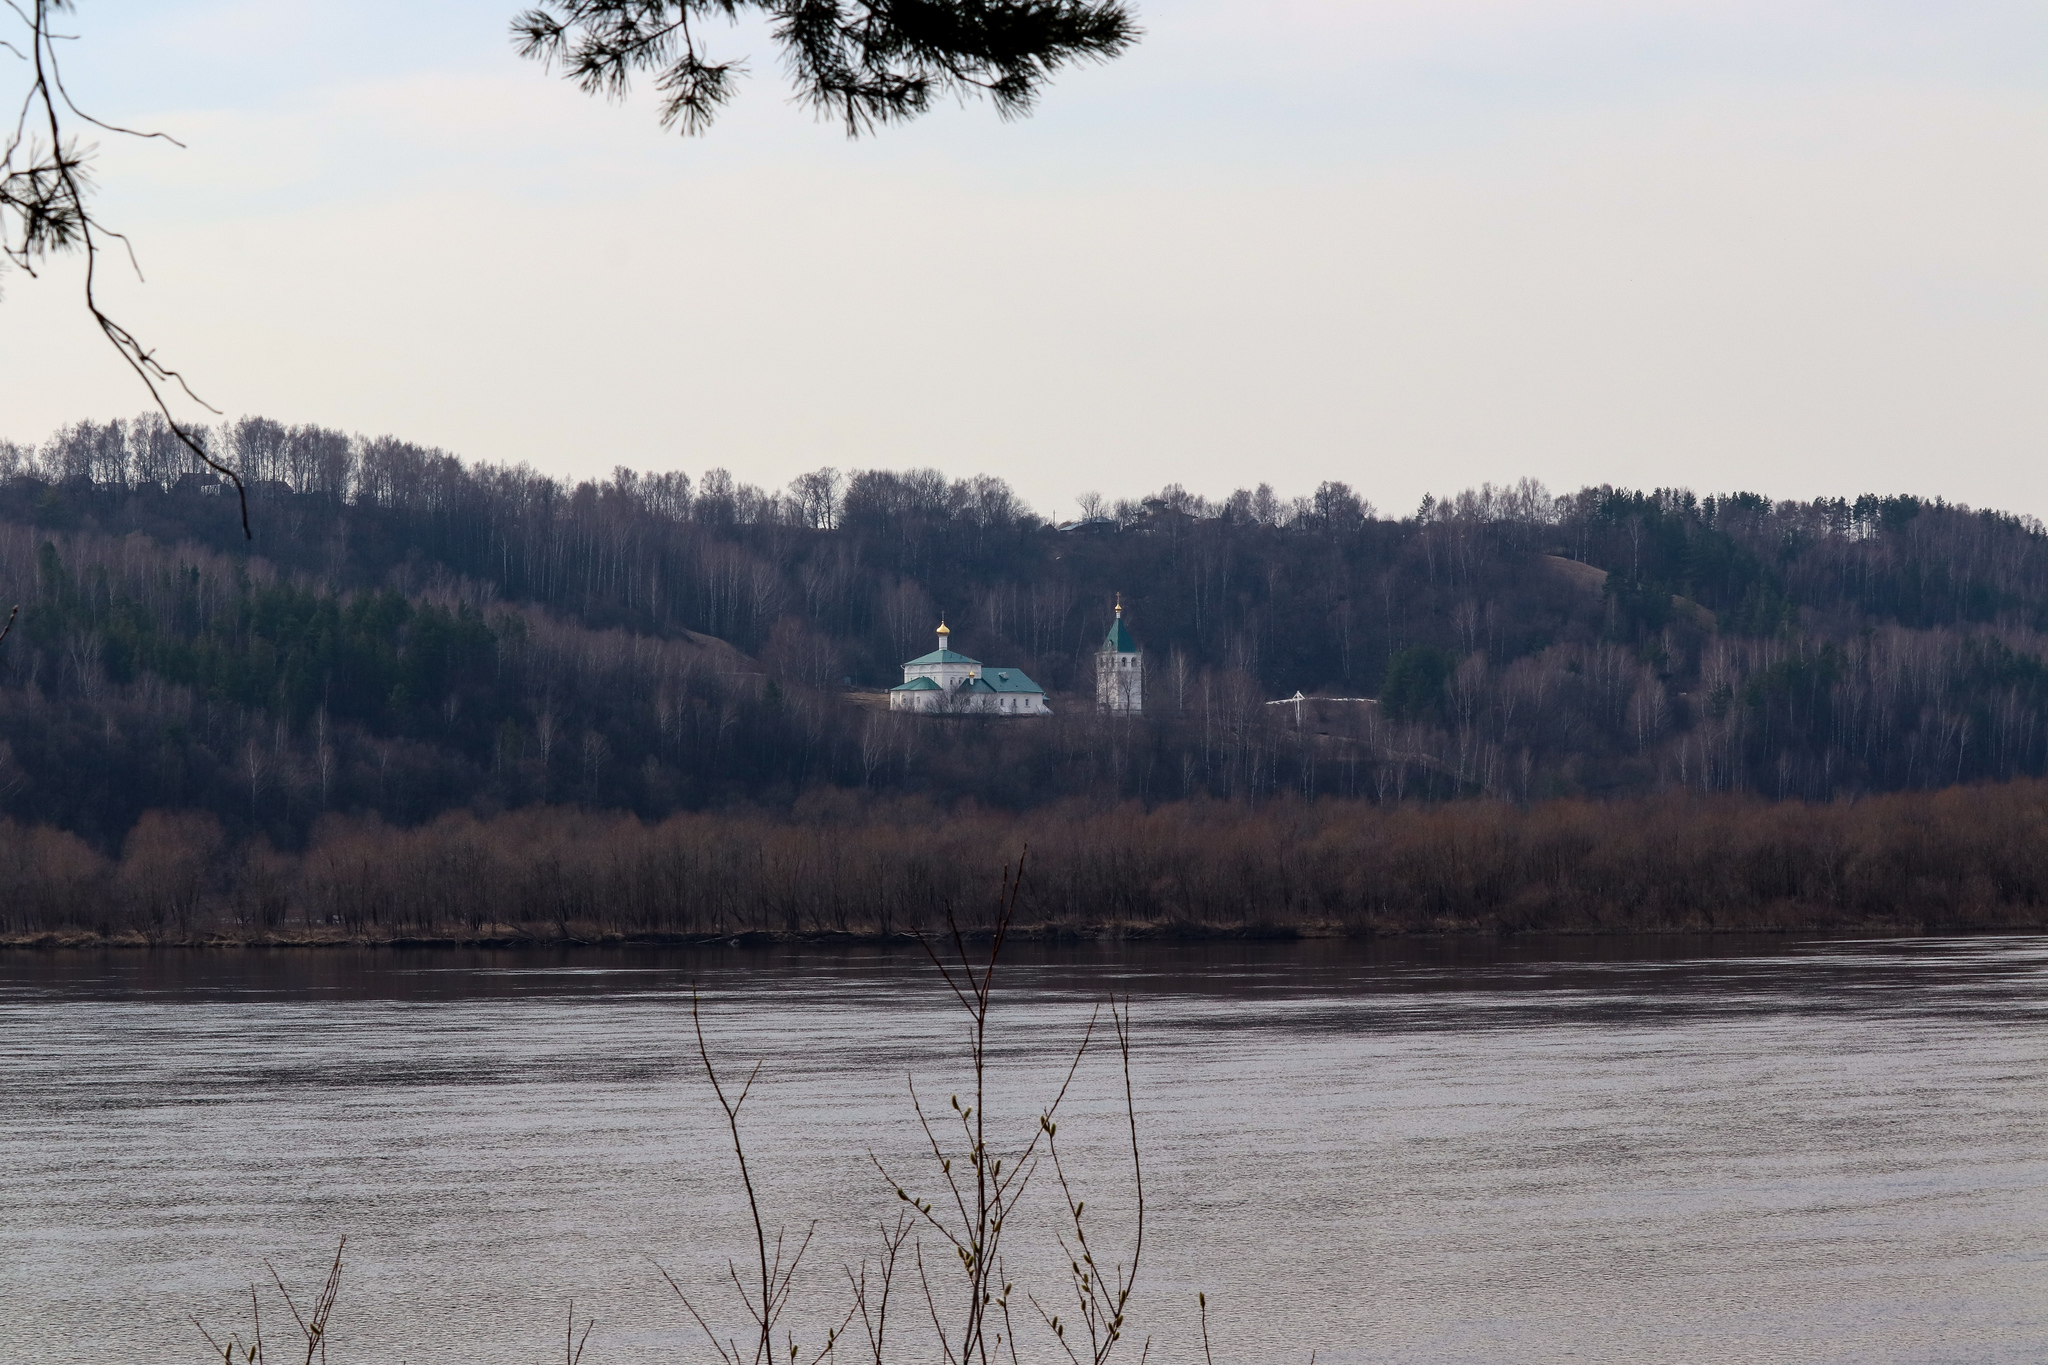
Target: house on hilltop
{"points": [[947, 683]]}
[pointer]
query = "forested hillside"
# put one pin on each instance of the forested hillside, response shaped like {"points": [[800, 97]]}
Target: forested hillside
{"points": [[410, 633]]}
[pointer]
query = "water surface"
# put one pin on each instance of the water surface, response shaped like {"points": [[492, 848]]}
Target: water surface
{"points": [[1712, 1150]]}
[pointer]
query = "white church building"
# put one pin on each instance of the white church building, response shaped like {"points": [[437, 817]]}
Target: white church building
{"points": [[945, 683]]}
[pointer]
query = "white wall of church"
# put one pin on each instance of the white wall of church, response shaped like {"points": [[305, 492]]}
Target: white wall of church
{"points": [[948, 676], [963, 703], [1120, 681]]}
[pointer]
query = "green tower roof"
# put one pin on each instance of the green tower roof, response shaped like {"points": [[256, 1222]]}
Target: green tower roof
{"points": [[1119, 641]]}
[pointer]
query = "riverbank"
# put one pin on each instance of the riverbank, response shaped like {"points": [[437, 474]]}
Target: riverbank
{"points": [[1781, 922], [1960, 860]]}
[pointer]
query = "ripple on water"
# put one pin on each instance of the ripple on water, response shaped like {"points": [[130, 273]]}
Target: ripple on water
{"points": [[1713, 1150]]}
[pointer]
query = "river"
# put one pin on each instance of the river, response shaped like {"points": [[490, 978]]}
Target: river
{"points": [[1715, 1150]]}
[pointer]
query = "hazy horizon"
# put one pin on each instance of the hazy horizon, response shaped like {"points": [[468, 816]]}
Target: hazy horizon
{"points": [[1110, 495], [1413, 247]]}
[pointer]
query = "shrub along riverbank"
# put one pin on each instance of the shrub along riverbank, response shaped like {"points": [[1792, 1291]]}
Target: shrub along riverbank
{"points": [[1973, 858]]}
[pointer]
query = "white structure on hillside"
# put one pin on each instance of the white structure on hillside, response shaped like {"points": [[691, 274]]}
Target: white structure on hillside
{"points": [[945, 683], [1120, 668]]}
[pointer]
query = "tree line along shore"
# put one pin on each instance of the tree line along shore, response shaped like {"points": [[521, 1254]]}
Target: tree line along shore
{"points": [[438, 699], [1964, 859]]}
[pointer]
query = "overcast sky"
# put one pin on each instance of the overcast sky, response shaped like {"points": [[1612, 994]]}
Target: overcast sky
{"points": [[1789, 246]]}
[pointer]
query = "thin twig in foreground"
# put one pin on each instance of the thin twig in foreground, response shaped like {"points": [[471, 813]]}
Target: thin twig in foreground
{"points": [[49, 197]]}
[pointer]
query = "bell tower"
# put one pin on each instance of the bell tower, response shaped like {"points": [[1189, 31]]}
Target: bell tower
{"points": [[1120, 668]]}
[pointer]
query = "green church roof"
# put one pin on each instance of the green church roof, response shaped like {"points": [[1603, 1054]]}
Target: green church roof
{"points": [[916, 685], [1009, 680], [1120, 641], [941, 656]]}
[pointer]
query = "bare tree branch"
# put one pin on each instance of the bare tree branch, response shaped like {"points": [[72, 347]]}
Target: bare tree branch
{"points": [[45, 208]]}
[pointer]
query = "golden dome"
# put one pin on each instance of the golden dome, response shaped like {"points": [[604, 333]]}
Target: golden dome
{"points": [[943, 630]]}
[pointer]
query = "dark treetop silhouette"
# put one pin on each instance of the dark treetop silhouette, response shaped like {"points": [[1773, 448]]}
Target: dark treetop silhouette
{"points": [[862, 63]]}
